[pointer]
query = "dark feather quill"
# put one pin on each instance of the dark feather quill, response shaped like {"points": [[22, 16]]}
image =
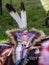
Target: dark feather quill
{"points": [[10, 8]]}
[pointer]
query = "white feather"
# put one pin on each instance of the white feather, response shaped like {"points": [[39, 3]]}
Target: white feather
{"points": [[23, 18], [17, 18]]}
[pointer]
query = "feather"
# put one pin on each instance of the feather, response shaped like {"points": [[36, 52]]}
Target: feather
{"points": [[14, 14], [23, 15], [10, 8]]}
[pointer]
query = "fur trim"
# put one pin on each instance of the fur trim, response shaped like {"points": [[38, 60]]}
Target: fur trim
{"points": [[39, 35], [42, 34], [13, 41]]}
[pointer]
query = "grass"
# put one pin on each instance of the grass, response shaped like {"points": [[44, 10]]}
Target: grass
{"points": [[36, 13]]}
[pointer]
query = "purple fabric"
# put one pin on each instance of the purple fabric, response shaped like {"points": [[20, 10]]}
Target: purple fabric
{"points": [[19, 35]]}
